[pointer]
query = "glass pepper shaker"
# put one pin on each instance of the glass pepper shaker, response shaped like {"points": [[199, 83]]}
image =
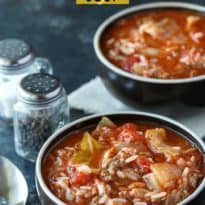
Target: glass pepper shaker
{"points": [[17, 60], [41, 109]]}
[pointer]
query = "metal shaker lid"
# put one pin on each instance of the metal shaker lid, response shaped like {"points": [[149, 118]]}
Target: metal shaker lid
{"points": [[14, 54], [39, 88]]}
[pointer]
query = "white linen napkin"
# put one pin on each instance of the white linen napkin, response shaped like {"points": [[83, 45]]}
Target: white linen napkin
{"points": [[92, 97]]}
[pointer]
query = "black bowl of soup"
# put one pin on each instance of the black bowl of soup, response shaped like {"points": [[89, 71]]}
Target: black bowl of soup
{"points": [[121, 159], [153, 53]]}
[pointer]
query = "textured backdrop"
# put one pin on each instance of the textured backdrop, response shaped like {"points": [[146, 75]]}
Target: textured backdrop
{"points": [[63, 32]]}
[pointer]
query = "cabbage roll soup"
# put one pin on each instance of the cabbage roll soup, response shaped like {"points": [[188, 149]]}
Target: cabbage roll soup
{"points": [[123, 164], [163, 44]]}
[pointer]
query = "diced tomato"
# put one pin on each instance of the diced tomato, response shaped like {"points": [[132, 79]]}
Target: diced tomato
{"points": [[130, 126], [129, 132], [142, 163], [81, 178], [130, 61]]}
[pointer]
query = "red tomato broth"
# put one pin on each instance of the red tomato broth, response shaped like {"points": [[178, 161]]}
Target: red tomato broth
{"points": [[180, 55], [117, 185]]}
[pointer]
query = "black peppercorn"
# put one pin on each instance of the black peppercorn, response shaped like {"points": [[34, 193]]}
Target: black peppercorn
{"points": [[41, 109]]}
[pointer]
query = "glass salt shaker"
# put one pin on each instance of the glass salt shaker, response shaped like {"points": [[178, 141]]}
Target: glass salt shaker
{"points": [[41, 109], [17, 60]]}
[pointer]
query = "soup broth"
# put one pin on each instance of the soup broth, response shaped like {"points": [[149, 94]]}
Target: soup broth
{"points": [[130, 163], [163, 44]]}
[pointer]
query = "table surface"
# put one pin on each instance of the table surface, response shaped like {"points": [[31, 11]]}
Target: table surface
{"points": [[62, 32]]}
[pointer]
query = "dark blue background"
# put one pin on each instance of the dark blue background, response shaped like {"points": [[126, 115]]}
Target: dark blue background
{"points": [[62, 32]]}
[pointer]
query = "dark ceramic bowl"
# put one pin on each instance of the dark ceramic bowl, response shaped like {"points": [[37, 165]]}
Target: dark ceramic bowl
{"points": [[48, 198], [133, 89]]}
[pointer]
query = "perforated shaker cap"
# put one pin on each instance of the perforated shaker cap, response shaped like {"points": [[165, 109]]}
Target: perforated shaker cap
{"points": [[40, 89], [14, 54]]}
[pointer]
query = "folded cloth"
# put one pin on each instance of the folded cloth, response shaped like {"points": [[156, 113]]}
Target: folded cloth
{"points": [[92, 97]]}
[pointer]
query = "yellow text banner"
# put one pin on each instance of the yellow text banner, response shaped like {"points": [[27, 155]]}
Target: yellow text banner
{"points": [[101, 2]]}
